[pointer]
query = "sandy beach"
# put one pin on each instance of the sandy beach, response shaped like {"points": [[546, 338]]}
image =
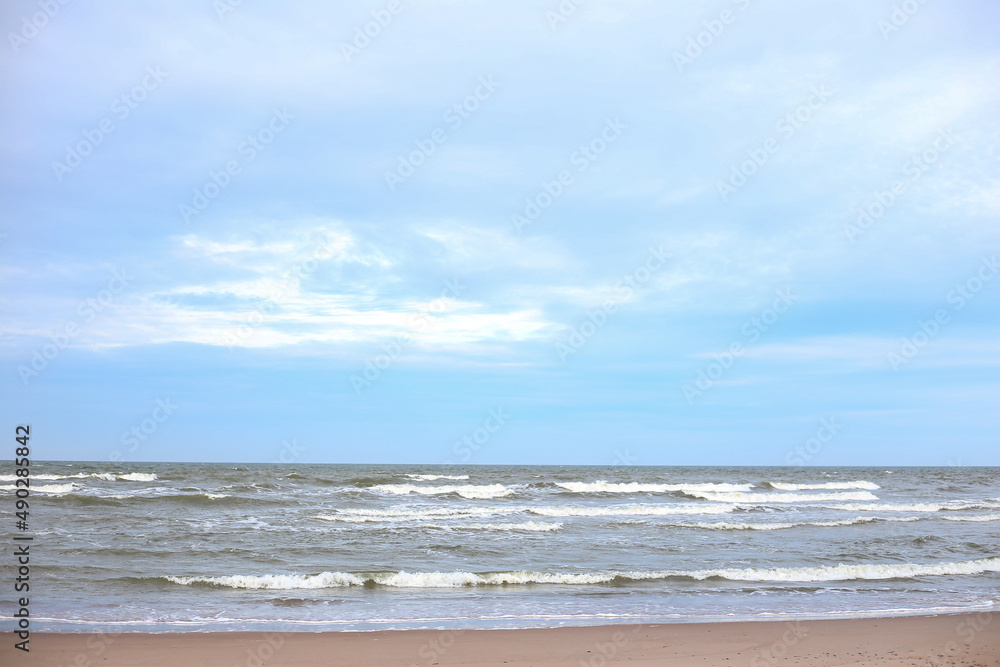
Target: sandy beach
{"points": [[960, 640]]}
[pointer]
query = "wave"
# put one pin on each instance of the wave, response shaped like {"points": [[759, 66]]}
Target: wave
{"points": [[781, 526], [469, 491], [11, 478], [632, 510], [602, 486], [767, 498], [529, 526], [913, 507], [981, 517], [106, 476], [861, 484], [377, 516], [58, 489], [868, 571], [431, 478]]}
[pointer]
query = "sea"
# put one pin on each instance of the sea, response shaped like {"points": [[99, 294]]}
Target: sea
{"points": [[168, 547]]}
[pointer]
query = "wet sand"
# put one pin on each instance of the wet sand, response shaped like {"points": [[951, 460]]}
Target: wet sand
{"points": [[965, 640]]}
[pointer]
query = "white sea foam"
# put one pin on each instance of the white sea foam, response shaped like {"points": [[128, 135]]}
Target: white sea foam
{"points": [[529, 526], [631, 510], [137, 477], [911, 507], [431, 478], [860, 484], [769, 498], [868, 571], [376, 516], [11, 478], [466, 490], [602, 486], [981, 517], [58, 489], [106, 476], [781, 526]]}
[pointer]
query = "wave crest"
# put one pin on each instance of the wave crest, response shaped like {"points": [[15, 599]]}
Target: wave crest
{"points": [[867, 571], [602, 486], [469, 491], [860, 484], [768, 498]]}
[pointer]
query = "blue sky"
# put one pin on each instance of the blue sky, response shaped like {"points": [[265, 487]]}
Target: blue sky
{"points": [[750, 232]]}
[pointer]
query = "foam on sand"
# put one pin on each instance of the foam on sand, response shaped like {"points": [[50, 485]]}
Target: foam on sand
{"points": [[868, 571]]}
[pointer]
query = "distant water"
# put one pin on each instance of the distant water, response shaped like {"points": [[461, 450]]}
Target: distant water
{"points": [[170, 547]]}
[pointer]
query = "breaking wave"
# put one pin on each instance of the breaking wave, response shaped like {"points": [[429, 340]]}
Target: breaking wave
{"points": [[869, 571], [632, 510], [469, 491], [767, 498], [377, 516], [635, 487], [861, 484], [913, 507], [431, 478], [106, 476]]}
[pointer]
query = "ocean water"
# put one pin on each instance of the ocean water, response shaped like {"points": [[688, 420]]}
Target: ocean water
{"points": [[179, 547]]}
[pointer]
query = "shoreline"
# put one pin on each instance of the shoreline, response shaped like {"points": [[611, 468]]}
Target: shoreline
{"points": [[971, 639]]}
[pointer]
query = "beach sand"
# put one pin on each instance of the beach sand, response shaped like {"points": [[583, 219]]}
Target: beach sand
{"points": [[966, 640]]}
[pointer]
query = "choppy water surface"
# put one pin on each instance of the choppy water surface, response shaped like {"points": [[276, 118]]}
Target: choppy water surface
{"points": [[167, 547]]}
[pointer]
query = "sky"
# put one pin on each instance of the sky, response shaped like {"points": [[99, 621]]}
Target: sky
{"points": [[749, 232]]}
